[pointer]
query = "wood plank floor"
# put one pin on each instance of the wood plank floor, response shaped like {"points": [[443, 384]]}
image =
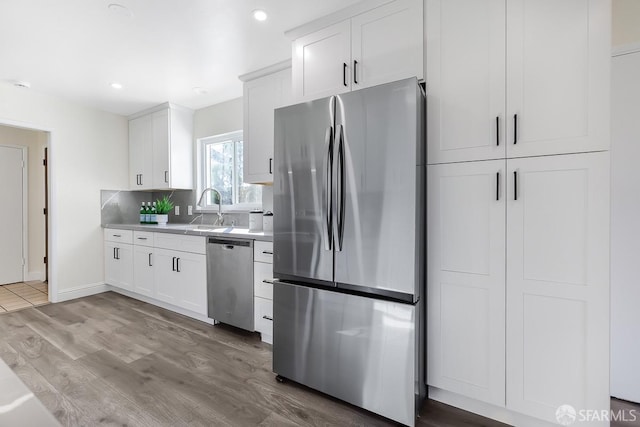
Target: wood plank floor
{"points": [[114, 361]]}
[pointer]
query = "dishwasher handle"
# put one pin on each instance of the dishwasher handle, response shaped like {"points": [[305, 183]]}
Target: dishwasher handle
{"points": [[230, 243]]}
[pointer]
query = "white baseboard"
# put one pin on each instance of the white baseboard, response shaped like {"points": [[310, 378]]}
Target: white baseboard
{"points": [[487, 410], [33, 276], [161, 304], [81, 291]]}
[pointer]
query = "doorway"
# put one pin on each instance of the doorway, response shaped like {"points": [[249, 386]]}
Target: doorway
{"points": [[24, 189]]}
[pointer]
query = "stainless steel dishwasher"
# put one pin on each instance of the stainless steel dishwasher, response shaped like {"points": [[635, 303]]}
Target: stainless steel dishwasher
{"points": [[230, 281]]}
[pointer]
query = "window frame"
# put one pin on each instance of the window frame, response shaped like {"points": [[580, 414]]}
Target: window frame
{"points": [[203, 166]]}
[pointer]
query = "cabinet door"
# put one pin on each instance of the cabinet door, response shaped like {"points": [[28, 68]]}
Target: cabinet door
{"points": [[387, 44], [321, 62], [465, 80], [161, 149], [261, 97], [558, 60], [191, 281], [558, 283], [143, 273], [118, 265], [165, 276], [140, 147], [466, 279]]}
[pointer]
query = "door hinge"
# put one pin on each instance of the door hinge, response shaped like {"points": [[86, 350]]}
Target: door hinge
{"points": [[45, 260], [23, 261], [44, 162], [44, 211]]}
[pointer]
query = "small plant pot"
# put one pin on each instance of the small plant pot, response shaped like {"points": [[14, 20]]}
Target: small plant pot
{"points": [[162, 219]]}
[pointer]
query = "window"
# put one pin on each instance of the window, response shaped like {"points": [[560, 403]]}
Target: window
{"points": [[221, 167]]}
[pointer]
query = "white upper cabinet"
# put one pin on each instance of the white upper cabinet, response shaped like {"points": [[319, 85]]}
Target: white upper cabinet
{"points": [[161, 149], [466, 279], [321, 62], [516, 78], [365, 49], [140, 147], [558, 283], [262, 95], [558, 60], [465, 80], [387, 44]]}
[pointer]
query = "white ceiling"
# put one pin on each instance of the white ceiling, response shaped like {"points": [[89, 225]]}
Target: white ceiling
{"points": [[76, 48]]}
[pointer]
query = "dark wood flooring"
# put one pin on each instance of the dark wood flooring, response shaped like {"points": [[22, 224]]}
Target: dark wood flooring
{"points": [[115, 361]]}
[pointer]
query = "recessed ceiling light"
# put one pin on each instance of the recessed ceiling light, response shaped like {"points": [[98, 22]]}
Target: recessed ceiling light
{"points": [[22, 83], [116, 85], [200, 90], [120, 10], [260, 15]]}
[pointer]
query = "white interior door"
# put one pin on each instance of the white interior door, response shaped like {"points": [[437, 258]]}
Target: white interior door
{"points": [[466, 279], [558, 284], [625, 227], [11, 214]]}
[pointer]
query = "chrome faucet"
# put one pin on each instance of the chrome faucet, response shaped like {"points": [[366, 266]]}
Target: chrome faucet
{"points": [[220, 220]]}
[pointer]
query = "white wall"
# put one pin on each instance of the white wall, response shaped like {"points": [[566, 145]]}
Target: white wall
{"points": [[88, 152], [216, 119], [35, 142], [625, 227], [626, 22]]}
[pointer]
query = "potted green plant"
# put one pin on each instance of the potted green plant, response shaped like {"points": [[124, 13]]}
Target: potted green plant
{"points": [[163, 207]]}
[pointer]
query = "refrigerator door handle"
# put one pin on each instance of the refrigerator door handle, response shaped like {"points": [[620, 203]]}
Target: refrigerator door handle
{"points": [[339, 188], [327, 184]]}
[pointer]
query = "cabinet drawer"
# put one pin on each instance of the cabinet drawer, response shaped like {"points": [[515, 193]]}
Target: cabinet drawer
{"points": [[263, 321], [180, 242], [262, 280], [143, 238], [118, 236], [263, 251]]}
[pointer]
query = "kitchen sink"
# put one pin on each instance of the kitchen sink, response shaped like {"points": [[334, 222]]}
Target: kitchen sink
{"points": [[225, 230]]}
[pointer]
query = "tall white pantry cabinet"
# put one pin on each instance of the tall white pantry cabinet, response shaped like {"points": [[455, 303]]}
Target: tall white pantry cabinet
{"points": [[518, 206]]}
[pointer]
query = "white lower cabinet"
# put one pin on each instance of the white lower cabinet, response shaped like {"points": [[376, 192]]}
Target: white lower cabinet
{"points": [[518, 282], [263, 290], [558, 284], [166, 267], [466, 279], [143, 270], [181, 278], [118, 264]]}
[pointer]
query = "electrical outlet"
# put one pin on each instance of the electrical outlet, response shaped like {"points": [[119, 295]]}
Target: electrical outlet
{"points": [[189, 210], [177, 210]]}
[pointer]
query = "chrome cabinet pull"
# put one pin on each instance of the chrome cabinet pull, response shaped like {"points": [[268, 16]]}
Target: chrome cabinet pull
{"points": [[498, 131], [515, 129], [150, 265], [515, 185], [497, 185], [267, 252], [166, 179], [271, 165], [267, 317]]}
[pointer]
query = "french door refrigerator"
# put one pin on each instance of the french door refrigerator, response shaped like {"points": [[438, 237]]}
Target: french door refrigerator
{"points": [[348, 247]]}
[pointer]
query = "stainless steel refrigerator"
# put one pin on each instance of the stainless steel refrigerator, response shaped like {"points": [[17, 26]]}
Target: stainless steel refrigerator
{"points": [[348, 247]]}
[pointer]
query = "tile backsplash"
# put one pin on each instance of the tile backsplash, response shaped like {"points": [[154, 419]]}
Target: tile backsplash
{"points": [[123, 207]]}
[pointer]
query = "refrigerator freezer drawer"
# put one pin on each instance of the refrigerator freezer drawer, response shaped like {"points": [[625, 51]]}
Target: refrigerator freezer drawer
{"points": [[361, 350]]}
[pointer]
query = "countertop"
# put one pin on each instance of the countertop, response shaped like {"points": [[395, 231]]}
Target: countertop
{"points": [[197, 230], [18, 406]]}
